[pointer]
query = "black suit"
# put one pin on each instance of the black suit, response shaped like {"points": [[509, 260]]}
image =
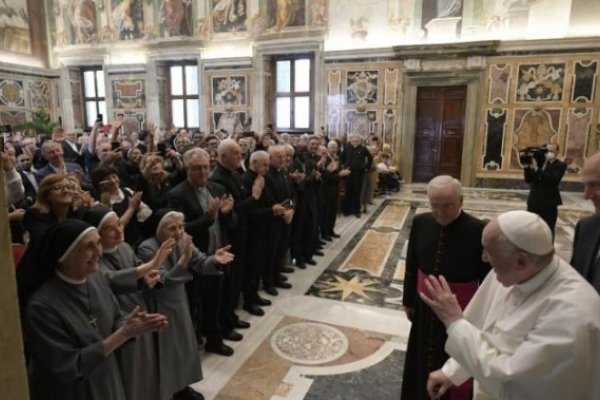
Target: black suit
{"points": [[70, 154], [544, 196], [210, 296], [279, 188], [244, 204], [357, 159], [585, 249]]}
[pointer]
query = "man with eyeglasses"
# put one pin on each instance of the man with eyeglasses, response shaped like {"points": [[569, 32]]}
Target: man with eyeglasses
{"points": [[209, 215], [445, 241], [53, 153]]}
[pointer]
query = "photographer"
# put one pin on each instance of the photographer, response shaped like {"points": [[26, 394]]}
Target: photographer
{"points": [[543, 171]]}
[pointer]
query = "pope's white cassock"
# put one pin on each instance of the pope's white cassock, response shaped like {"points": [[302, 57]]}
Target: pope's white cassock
{"points": [[535, 340]]}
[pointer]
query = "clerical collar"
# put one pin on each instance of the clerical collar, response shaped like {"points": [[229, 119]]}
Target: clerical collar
{"points": [[111, 250], [538, 280], [70, 280]]}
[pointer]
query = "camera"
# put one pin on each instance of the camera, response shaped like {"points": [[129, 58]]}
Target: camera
{"points": [[533, 153]]}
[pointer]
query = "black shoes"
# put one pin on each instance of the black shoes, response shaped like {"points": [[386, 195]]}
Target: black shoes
{"points": [[254, 310], [300, 264], [188, 394], [283, 285], [239, 324], [326, 238], [357, 215], [311, 262], [219, 348], [287, 270], [319, 253], [232, 335], [262, 302], [271, 290], [335, 235]]}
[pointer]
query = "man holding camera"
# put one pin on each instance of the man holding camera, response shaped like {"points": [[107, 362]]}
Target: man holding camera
{"points": [[544, 196]]}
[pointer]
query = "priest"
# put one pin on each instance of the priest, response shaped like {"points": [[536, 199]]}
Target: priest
{"points": [[444, 241]]}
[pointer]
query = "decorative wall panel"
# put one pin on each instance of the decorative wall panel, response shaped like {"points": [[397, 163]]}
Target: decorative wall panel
{"points": [[390, 89], [229, 90], [541, 82], [499, 76], [227, 100], [128, 94], [364, 98], [550, 99], [494, 139], [362, 87], [39, 95], [578, 128], [584, 80], [12, 93]]}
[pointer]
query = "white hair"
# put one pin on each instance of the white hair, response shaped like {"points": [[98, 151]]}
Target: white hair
{"points": [[443, 181], [258, 155], [188, 155], [225, 146]]}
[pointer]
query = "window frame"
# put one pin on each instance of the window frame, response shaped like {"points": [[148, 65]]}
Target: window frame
{"points": [[96, 99], [184, 96], [293, 93]]}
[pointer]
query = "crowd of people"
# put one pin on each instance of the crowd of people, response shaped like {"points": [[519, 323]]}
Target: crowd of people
{"points": [[184, 227]]}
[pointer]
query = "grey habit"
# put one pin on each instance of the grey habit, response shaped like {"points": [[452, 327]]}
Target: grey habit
{"points": [[179, 358], [65, 326], [138, 359]]}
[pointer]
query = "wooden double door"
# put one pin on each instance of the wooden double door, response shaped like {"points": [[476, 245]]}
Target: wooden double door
{"points": [[440, 123]]}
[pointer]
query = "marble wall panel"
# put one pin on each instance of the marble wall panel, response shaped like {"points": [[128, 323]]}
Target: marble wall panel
{"points": [[361, 123], [39, 95], [12, 117], [534, 128], [391, 87], [228, 90], [229, 121], [128, 93], [362, 87], [389, 125], [541, 82], [494, 139], [584, 80], [227, 99], [334, 89], [578, 128], [12, 93], [499, 77]]}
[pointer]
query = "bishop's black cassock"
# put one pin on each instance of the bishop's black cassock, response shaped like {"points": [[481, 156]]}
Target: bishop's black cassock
{"points": [[453, 251]]}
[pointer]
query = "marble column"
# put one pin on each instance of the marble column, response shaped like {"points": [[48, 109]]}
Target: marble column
{"points": [[13, 377]]}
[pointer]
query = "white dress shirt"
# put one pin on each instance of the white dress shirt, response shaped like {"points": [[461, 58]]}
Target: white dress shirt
{"points": [[536, 340]]}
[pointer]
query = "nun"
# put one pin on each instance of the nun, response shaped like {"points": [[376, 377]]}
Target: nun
{"points": [[73, 321], [128, 279], [177, 346]]}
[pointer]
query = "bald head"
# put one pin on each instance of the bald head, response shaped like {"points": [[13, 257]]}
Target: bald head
{"points": [[259, 162], [590, 176]]}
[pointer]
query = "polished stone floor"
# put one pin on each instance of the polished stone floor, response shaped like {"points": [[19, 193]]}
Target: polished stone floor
{"points": [[340, 332]]}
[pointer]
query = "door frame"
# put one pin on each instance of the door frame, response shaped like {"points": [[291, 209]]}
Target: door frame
{"points": [[406, 145]]}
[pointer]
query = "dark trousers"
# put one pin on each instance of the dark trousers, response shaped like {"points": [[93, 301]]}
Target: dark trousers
{"points": [[304, 233], [254, 262], [204, 298], [278, 244], [549, 213], [354, 183], [330, 209]]}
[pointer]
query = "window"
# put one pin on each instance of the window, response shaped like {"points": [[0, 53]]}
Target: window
{"points": [[94, 94], [183, 90], [293, 93]]}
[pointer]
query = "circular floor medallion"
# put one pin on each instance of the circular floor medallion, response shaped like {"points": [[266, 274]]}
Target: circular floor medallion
{"points": [[309, 343]]}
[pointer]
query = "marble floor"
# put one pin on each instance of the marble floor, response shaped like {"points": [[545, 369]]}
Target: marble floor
{"points": [[340, 332]]}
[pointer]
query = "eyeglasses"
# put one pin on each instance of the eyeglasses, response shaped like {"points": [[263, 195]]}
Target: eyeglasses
{"points": [[63, 188]]}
